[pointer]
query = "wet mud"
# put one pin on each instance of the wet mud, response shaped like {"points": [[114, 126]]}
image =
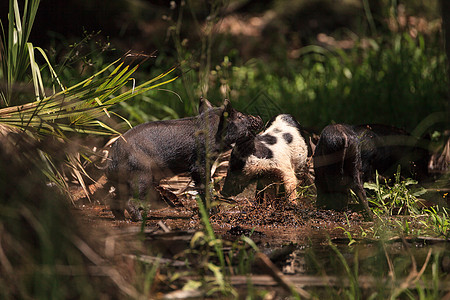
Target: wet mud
{"points": [[274, 223], [303, 243]]}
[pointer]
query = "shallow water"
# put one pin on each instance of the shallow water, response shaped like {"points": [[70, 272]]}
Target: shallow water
{"points": [[306, 244]]}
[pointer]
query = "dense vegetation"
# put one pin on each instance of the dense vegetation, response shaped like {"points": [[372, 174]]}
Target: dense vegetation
{"points": [[356, 62]]}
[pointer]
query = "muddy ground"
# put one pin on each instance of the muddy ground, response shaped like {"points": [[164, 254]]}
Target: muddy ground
{"points": [[277, 221], [295, 237]]}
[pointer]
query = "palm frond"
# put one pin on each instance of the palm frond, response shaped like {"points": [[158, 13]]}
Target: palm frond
{"points": [[77, 108]]}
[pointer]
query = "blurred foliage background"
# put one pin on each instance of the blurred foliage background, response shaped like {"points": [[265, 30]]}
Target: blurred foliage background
{"points": [[353, 61]]}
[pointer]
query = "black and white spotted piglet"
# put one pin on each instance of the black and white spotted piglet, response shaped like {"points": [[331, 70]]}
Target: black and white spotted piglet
{"points": [[279, 152]]}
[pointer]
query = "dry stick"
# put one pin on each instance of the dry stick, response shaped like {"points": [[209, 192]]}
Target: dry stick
{"points": [[273, 184], [115, 276], [414, 275], [391, 266], [163, 226], [413, 259], [365, 282], [404, 285], [423, 267], [278, 276], [156, 260], [422, 270]]}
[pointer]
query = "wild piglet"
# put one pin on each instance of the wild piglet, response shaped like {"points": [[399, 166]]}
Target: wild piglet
{"points": [[277, 153], [346, 156], [149, 152]]}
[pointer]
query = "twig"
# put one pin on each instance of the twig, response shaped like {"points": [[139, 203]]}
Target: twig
{"points": [[414, 276], [413, 259], [278, 276], [152, 260], [184, 294], [422, 270], [163, 226], [391, 266], [112, 273], [301, 281]]}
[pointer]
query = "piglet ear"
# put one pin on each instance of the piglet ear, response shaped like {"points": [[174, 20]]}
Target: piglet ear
{"points": [[227, 106], [204, 105], [256, 123], [225, 111]]}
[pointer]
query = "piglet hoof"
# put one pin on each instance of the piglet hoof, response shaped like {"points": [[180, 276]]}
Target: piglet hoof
{"points": [[134, 211]]}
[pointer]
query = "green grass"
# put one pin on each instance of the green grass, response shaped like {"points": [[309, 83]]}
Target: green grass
{"points": [[438, 219], [383, 274], [398, 197], [390, 78], [393, 79], [396, 80]]}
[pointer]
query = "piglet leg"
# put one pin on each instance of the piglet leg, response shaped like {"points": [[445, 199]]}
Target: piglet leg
{"points": [[290, 186]]}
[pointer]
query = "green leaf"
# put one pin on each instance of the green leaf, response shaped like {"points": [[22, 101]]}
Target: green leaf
{"points": [[371, 186]]}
